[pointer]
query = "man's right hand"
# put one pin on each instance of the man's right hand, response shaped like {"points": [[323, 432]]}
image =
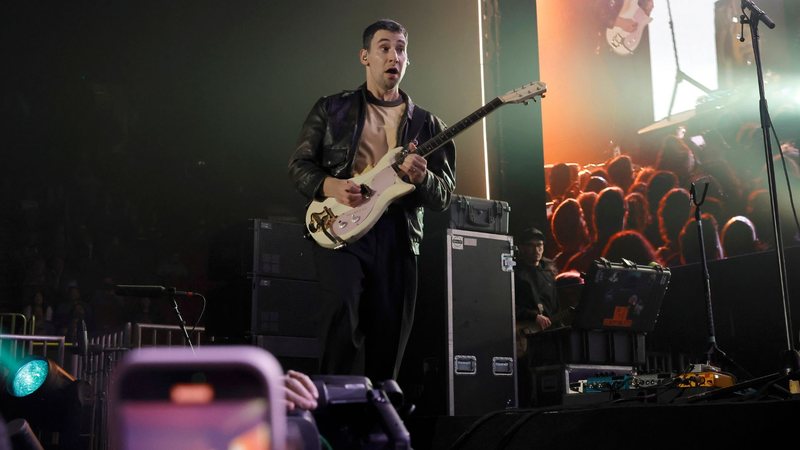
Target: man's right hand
{"points": [[300, 391], [543, 321], [343, 191]]}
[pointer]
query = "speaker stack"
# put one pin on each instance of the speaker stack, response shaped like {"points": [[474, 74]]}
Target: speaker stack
{"points": [[267, 291]]}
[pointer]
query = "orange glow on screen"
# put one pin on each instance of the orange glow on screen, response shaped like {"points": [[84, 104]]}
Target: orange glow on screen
{"points": [[191, 394]]}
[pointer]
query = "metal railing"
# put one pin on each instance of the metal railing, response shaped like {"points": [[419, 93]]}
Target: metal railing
{"points": [[95, 363], [151, 335], [14, 347], [105, 352], [14, 323]]}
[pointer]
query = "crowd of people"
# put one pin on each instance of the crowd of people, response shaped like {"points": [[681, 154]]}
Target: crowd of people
{"points": [[646, 212]]}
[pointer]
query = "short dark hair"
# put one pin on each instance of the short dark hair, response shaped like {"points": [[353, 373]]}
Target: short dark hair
{"points": [[382, 24]]}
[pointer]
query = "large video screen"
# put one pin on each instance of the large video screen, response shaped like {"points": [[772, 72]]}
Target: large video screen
{"points": [[693, 34]]}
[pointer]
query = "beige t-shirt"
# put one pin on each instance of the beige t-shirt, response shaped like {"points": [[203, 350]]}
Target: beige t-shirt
{"points": [[379, 134]]}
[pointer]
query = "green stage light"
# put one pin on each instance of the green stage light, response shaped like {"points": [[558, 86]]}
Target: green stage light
{"points": [[40, 391], [37, 374], [28, 378]]}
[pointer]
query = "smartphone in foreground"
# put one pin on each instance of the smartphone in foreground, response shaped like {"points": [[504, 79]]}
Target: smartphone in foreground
{"points": [[224, 397]]}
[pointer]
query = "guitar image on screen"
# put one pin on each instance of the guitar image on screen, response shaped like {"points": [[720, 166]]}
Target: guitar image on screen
{"points": [[634, 18], [334, 225]]}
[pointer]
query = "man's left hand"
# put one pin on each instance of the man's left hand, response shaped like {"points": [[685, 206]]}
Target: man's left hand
{"points": [[414, 166]]}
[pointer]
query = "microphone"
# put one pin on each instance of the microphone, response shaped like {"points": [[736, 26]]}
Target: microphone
{"points": [[762, 16], [82, 340], [131, 290]]}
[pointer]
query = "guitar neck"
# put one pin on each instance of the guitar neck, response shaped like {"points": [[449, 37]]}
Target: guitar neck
{"points": [[445, 136]]}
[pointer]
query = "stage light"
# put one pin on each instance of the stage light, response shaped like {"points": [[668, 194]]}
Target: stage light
{"points": [[40, 391], [37, 374]]}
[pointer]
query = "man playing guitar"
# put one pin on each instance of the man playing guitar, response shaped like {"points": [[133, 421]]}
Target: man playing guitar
{"points": [[369, 287]]}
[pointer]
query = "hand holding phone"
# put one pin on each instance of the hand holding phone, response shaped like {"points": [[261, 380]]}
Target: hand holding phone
{"points": [[225, 397]]}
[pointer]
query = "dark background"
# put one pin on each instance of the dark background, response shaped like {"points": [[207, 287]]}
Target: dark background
{"points": [[136, 132]]}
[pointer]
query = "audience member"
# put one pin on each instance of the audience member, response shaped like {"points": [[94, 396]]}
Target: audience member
{"points": [[630, 245], [660, 183], [609, 218], [569, 286], [587, 201], [71, 310], [644, 175], [673, 212], [620, 172], [690, 242], [569, 231], [638, 188], [739, 237], [41, 313], [596, 184], [637, 216], [584, 175], [759, 211]]}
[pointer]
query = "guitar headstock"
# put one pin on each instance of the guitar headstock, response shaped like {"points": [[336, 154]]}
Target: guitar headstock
{"points": [[525, 92]]}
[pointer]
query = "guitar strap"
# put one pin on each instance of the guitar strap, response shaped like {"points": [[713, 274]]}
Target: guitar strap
{"points": [[415, 125]]}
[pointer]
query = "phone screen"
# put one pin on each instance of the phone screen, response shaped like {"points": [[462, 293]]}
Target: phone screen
{"points": [[699, 140], [193, 409]]}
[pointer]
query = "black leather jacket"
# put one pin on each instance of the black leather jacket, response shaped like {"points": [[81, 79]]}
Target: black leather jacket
{"points": [[329, 141]]}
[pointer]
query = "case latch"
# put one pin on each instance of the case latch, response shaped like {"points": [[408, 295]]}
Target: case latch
{"points": [[507, 262]]}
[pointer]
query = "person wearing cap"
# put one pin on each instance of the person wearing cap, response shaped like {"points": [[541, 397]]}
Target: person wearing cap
{"points": [[535, 288], [535, 302]]}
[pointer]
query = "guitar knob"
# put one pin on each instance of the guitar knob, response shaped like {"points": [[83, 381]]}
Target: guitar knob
{"points": [[355, 219], [342, 224]]}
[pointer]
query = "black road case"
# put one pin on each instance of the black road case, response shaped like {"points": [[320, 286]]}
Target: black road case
{"points": [[463, 345]]}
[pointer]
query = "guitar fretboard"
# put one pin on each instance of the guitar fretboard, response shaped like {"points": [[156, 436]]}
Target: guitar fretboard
{"points": [[442, 138]]}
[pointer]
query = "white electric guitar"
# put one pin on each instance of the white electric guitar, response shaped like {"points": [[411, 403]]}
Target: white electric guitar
{"points": [[334, 225], [625, 42]]}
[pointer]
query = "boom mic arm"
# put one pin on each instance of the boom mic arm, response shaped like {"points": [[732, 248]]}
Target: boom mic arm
{"points": [[758, 12], [148, 291]]}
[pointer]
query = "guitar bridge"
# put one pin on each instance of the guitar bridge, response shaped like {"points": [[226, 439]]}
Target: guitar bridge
{"points": [[323, 221]]}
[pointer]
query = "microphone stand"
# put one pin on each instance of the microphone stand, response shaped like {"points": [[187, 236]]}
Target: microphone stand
{"points": [[791, 355], [712, 338], [181, 322], [680, 75]]}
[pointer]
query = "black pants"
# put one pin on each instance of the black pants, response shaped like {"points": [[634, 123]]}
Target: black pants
{"points": [[369, 290]]}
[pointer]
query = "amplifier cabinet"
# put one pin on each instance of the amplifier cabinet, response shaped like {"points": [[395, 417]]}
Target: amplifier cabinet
{"points": [[281, 250], [285, 320], [283, 307], [463, 338], [246, 307], [262, 247], [263, 281]]}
